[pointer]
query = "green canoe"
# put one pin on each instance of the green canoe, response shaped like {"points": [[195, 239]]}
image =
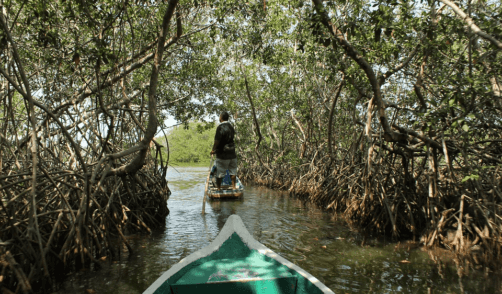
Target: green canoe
{"points": [[236, 263]]}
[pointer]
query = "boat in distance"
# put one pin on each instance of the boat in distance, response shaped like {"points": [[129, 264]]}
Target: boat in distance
{"points": [[226, 192], [236, 263]]}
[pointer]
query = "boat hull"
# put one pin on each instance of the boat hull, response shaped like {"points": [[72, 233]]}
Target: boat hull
{"points": [[226, 192], [236, 263]]}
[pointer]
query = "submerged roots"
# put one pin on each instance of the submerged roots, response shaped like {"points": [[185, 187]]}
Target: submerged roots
{"points": [[71, 228], [418, 202]]}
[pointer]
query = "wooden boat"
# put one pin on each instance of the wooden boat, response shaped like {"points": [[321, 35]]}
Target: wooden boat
{"points": [[226, 191], [236, 263]]}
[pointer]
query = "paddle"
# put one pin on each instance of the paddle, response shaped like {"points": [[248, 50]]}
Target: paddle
{"points": [[207, 184]]}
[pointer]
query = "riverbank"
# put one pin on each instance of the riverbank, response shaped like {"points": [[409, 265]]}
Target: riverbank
{"points": [[318, 241], [73, 229], [394, 207], [175, 164]]}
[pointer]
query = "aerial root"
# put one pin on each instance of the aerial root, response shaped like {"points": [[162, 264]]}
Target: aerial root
{"points": [[463, 217], [72, 236]]}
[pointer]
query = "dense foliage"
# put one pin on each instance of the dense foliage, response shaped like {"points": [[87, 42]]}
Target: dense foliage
{"points": [[386, 110], [189, 144], [389, 111], [82, 90]]}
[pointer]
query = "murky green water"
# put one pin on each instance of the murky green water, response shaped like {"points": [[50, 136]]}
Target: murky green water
{"points": [[314, 240]]}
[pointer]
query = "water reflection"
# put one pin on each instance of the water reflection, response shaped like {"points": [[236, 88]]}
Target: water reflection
{"points": [[316, 241]]}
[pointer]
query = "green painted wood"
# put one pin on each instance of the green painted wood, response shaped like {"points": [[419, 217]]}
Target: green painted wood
{"points": [[230, 263], [233, 246], [245, 263], [283, 285], [164, 289], [254, 265]]}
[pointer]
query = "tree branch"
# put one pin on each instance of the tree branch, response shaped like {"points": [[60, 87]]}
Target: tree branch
{"points": [[138, 162], [255, 119], [389, 135], [400, 66], [471, 23], [331, 114]]}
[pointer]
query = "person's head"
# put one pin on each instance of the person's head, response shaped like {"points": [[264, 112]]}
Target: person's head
{"points": [[224, 116]]}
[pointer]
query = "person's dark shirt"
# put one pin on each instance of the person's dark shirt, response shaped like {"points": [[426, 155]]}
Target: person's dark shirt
{"points": [[225, 134]]}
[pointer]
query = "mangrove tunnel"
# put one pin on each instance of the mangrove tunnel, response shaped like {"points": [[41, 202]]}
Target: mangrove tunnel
{"points": [[387, 112]]}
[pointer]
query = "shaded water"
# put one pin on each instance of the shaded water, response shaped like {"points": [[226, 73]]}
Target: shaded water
{"points": [[315, 240]]}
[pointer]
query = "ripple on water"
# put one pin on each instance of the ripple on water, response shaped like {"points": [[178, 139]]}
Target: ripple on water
{"points": [[303, 234]]}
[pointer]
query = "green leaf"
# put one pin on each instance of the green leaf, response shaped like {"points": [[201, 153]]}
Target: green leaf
{"points": [[470, 177]]}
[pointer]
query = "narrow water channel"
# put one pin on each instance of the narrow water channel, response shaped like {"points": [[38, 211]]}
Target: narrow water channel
{"points": [[315, 240]]}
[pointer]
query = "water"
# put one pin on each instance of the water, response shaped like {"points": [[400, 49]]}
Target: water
{"points": [[315, 240]]}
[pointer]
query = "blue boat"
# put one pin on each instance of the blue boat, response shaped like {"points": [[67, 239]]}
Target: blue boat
{"points": [[226, 191]]}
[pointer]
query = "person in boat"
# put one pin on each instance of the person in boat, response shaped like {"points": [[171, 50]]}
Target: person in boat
{"points": [[224, 148]]}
